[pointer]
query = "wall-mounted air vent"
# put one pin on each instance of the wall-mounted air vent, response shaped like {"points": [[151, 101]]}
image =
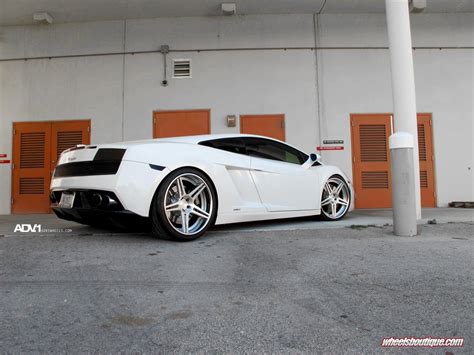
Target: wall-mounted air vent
{"points": [[181, 68]]}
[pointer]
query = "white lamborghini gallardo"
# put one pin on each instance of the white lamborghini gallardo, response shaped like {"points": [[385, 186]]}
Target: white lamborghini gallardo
{"points": [[184, 185]]}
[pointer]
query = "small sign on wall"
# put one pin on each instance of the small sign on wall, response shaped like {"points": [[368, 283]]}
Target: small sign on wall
{"points": [[336, 147], [333, 141], [334, 144], [3, 155]]}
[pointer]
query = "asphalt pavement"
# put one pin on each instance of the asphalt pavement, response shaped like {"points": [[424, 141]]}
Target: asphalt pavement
{"points": [[287, 291]]}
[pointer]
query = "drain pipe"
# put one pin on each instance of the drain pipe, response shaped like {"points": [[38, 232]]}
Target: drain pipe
{"points": [[164, 49]]}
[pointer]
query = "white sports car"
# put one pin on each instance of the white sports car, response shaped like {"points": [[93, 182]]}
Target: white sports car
{"points": [[184, 185]]}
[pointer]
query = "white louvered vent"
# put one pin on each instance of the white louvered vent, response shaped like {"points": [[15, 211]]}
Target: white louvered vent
{"points": [[181, 68]]}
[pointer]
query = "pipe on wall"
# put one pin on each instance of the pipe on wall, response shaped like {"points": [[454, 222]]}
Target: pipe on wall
{"points": [[223, 50]]}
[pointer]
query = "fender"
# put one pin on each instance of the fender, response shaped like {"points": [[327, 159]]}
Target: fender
{"points": [[174, 156]]}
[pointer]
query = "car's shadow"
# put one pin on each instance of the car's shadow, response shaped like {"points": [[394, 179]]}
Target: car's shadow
{"points": [[266, 224], [144, 231]]}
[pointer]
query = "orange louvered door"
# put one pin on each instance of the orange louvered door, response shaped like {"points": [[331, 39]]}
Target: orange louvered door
{"points": [[371, 164], [67, 134], [36, 148], [425, 148], [31, 167], [371, 160]]}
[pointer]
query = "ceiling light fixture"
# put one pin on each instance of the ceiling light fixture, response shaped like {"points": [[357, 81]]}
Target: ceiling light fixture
{"points": [[228, 9], [417, 6], [43, 17]]}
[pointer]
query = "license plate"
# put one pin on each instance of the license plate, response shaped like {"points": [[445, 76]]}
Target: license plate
{"points": [[67, 199]]}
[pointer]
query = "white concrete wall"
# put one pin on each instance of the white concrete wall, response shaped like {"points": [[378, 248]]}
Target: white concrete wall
{"points": [[358, 81], [116, 90], [61, 39], [231, 89]]}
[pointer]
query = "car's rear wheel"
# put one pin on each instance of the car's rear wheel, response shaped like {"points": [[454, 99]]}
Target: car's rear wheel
{"points": [[335, 199], [185, 205]]}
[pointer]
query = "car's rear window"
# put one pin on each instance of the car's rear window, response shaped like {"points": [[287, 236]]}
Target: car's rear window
{"points": [[258, 147], [268, 149], [232, 145]]}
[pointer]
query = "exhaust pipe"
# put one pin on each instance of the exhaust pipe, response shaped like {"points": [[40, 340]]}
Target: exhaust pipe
{"points": [[102, 200], [97, 200]]}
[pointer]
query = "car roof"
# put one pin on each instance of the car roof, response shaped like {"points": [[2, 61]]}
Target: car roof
{"points": [[206, 137], [184, 139], [191, 140]]}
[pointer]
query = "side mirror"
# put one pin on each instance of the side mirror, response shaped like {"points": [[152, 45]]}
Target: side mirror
{"points": [[313, 158]]}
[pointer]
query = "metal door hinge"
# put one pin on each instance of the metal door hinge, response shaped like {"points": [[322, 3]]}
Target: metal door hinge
{"points": [[12, 200], [88, 128], [13, 165], [14, 131]]}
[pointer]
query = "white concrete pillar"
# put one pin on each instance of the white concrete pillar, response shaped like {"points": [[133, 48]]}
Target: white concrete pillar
{"points": [[403, 184], [403, 80]]}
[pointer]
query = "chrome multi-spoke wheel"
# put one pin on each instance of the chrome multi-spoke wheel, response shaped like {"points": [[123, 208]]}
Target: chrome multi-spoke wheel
{"points": [[185, 205], [335, 199], [188, 204]]}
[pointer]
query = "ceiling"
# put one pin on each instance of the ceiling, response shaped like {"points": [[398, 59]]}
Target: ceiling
{"points": [[20, 12]]}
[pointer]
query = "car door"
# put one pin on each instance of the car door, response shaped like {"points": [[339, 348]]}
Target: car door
{"points": [[281, 181]]}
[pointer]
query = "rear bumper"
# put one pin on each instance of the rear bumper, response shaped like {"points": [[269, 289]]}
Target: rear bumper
{"points": [[134, 185], [95, 217]]}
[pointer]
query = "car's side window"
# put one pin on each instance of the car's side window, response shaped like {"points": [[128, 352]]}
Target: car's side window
{"points": [[232, 145], [268, 149]]}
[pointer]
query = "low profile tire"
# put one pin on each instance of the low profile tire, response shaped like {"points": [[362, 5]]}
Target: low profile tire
{"points": [[335, 199], [184, 206]]}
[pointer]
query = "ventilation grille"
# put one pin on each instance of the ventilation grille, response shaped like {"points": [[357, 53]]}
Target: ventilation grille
{"points": [[32, 186], [375, 180], [424, 179], [32, 149], [373, 143], [68, 140], [421, 142], [181, 68]]}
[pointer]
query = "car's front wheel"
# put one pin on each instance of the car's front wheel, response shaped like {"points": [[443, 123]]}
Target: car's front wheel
{"points": [[335, 199], [185, 205]]}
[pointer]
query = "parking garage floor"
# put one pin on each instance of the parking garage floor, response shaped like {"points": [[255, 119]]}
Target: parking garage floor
{"points": [[239, 289]]}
